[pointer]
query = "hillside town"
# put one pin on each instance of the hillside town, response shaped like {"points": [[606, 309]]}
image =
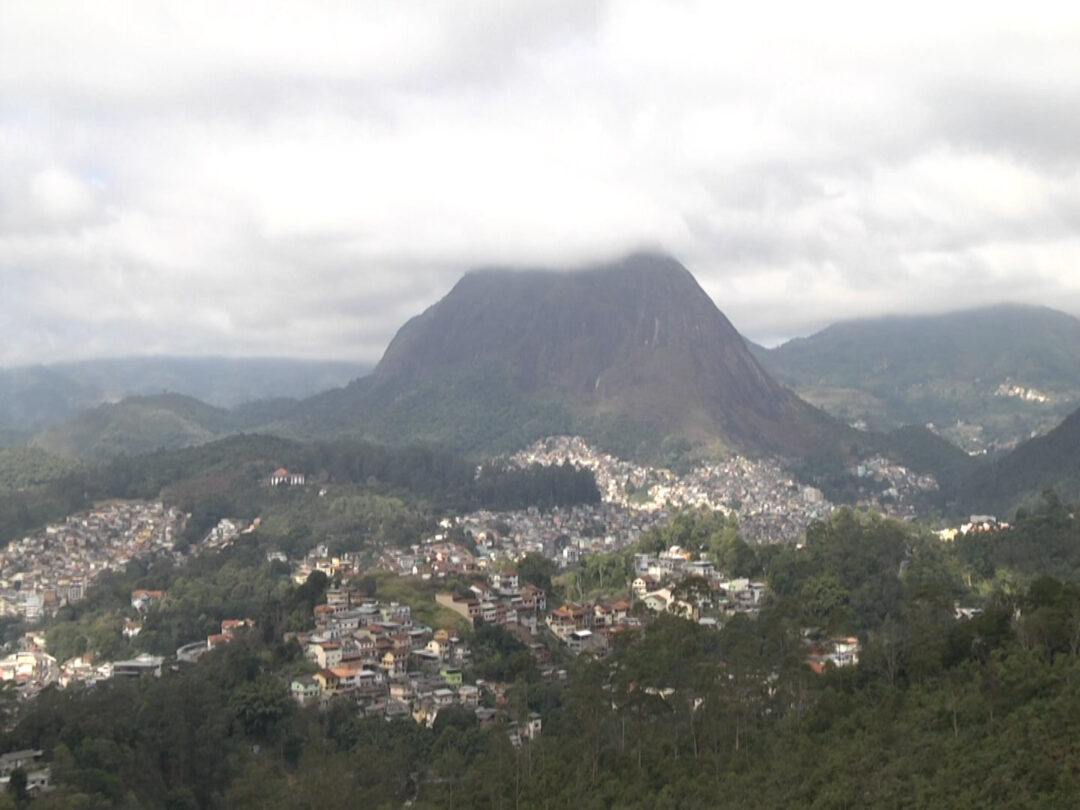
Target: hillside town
{"points": [[769, 504], [55, 566], [376, 654], [899, 488]]}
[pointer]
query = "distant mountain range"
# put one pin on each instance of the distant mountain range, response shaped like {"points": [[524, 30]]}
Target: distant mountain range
{"points": [[635, 356], [986, 378], [34, 397], [138, 425]]}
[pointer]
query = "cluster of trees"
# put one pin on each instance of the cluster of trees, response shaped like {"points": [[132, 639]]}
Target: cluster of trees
{"points": [[709, 533], [25, 509], [499, 655], [847, 576], [28, 466], [238, 583], [1043, 540], [505, 486]]}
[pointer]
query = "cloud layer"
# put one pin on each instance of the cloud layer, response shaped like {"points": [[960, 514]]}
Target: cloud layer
{"points": [[299, 179]]}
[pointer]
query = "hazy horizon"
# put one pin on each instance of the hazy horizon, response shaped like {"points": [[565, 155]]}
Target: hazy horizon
{"points": [[767, 341]]}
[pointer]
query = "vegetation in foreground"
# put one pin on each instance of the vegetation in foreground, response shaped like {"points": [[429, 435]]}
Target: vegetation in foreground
{"points": [[940, 711]]}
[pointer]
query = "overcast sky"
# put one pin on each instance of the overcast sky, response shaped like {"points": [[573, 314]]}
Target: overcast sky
{"points": [[267, 179]]}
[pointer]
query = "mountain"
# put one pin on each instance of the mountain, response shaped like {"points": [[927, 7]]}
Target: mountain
{"points": [[34, 397], [222, 381], [1046, 462], [633, 352], [22, 467], [138, 425], [987, 378]]}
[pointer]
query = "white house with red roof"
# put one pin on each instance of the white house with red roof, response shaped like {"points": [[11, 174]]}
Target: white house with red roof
{"points": [[282, 477]]}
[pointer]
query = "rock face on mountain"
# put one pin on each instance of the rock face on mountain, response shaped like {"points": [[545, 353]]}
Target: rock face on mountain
{"points": [[637, 339]]}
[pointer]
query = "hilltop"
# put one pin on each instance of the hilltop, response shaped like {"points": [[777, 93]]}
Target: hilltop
{"points": [[137, 425]]}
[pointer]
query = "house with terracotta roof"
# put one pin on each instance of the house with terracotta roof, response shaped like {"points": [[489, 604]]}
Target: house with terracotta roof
{"points": [[230, 626], [142, 599], [620, 609], [569, 617], [282, 477]]}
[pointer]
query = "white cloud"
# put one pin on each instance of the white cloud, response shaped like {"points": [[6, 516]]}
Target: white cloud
{"points": [[60, 196], [293, 179]]}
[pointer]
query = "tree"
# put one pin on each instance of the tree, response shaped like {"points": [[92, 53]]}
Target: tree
{"points": [[17, 785], [260, 705], [537, 570], [692, 589]]}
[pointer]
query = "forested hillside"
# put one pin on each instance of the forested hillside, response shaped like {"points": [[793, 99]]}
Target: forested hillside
{"points": [[227, 478], [1046, 462], [1001, 372], [137, 425]]}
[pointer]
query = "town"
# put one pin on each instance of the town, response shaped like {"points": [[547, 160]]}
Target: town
{"points": [[55, 566], [377, 653], [770, 505]]}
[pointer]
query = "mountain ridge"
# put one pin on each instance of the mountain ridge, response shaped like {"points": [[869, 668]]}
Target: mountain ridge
{"points": [[137, 425], [1017, 479], [1001, 372], [33, 398]]}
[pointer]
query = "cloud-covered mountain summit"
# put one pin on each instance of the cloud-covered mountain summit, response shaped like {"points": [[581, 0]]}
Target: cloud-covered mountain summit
{"points": [[635, 342]]}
